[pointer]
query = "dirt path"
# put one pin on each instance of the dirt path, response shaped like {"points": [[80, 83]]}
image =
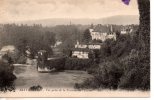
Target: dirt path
{"points": [[28, 76]]}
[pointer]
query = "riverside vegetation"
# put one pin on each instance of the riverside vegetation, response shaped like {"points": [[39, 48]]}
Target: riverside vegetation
{"points": [[125, 63]]}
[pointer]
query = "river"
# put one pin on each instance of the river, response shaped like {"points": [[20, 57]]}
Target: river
{"points": [[28, 76]]}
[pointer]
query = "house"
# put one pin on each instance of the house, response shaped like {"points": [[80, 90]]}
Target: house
{"points": [[82, 51], [126, 30], [58, 43], [99, 34], [90, 46]]}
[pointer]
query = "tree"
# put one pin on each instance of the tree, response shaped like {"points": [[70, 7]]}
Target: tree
{"points": [[137, 71], [87, 36], [50, 37], [144, 40]]}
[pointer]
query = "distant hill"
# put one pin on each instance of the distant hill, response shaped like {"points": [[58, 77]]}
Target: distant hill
{"points": [[119, 20], [122, 20]]}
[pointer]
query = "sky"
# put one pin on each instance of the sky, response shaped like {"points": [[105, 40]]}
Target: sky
{"points": [[21, 10]]}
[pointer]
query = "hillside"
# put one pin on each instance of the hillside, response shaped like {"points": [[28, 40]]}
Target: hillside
{"points": [[119, 20]]}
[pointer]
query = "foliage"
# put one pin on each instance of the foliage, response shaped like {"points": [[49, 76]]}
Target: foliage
{"points": [[87, 36], [125, 62], [78, 64], [96, 41], [121, 66], [106, 76], [21, 59], [35, 88], [136, 73], [93, 68], [57, 63], [119, 48], [7, 77], [22, 36]]}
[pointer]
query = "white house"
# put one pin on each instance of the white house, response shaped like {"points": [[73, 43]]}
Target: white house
{"points": [[80, 54], [126, 30], [102, 35], [82, 51], [58, 43], [88, 46]]}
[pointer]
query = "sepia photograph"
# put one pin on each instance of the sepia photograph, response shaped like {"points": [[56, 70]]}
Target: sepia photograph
{"points": [[75, 48]]}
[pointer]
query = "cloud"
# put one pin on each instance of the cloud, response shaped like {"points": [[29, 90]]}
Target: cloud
{"points": [[14, 10]]}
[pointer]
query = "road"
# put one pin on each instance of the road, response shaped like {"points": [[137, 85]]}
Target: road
{"points": [[28, 76]]}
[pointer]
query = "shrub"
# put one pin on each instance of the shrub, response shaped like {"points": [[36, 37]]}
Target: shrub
{"points": [[93, 68], [7, 77], [136, 72], [35, 88], [106, 76], [77, 64], [109, 74], [21, 60], [57, 63], [88, 84]]}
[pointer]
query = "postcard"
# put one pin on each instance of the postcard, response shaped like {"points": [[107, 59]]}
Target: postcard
{"points": [[75, 48]]}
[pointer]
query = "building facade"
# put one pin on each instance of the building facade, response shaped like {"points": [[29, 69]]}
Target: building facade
{"points": [[82, 51], [126, 30], [81, 54], [102, 35]]}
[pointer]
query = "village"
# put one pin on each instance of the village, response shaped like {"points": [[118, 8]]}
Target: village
{"points": [[82, 53], [79, 51]]}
